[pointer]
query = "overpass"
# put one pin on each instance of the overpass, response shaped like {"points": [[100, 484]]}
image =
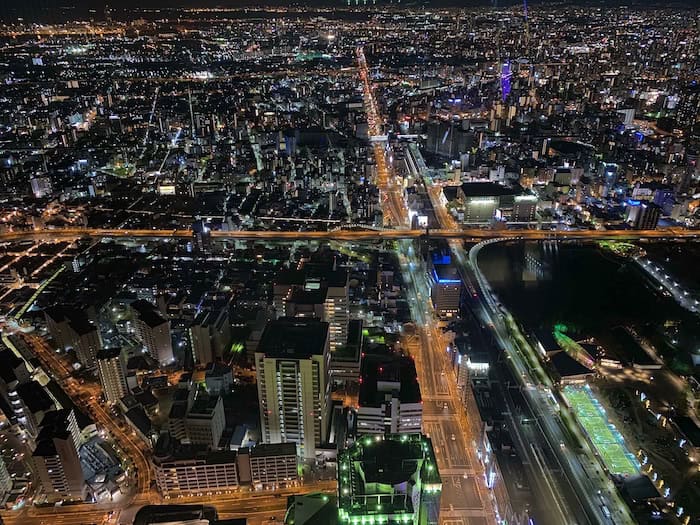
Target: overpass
{"points": [[368, 235]]}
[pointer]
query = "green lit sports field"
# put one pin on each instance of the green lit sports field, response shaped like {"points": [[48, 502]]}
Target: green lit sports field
{"points": [[608, 442]]}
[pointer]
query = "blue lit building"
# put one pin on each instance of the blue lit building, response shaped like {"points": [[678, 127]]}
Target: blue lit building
{"points": [[445, 290], [642, 215]]}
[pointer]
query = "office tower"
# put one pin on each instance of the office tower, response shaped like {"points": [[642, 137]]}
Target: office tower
{"points": [[292, 369], [390, 399], [389, 479], [153, 331], [319, 291], [445, 290], [72, 329], [112, 371], [642, 215], [210, 336], [55, 459]]}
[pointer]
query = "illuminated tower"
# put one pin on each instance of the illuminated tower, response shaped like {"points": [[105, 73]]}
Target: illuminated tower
{"points": [[505, 80]]}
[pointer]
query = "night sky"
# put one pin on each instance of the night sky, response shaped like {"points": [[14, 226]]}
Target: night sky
{"points": [[29, 9]]}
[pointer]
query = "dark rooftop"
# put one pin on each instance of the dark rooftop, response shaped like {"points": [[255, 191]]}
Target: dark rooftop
{"points": [[294, 338], [396, 369], [486, 189]]}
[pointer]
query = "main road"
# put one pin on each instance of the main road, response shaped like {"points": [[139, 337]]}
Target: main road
{"points": [[351, 235]]}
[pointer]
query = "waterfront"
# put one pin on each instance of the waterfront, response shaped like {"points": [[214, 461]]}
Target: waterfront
{"points": [[592, 292]]}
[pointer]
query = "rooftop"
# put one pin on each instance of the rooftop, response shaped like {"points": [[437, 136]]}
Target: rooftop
{"points": [[486, 189], [382, 374], [294, 338], [377, 475]]}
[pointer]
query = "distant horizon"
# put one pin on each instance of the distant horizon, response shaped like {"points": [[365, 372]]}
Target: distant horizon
{"points": [[13, 8]]}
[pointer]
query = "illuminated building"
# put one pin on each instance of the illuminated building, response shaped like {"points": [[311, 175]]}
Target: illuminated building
{"points": [[481, 200], [445, 290], [112, 371], [188, 468], [272, 465], [390, 399], [55, 459], [689, 105], [153, 331], [292, 369], [642, 215], [390, 480], [505, 80], [315, 292], [524, 208], [311, 509]]}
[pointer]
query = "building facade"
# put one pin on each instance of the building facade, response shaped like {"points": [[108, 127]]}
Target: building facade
{"points": [[292, 369], [112, 371]]}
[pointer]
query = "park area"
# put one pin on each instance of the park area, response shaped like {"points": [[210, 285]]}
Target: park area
{"points": [[607, 441]]}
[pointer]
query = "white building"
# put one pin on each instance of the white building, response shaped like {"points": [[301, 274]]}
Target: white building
{"points": [[292, 369], [112, 371], [154, 331]]}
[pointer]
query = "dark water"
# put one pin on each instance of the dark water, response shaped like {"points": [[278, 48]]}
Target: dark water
{"points": [[590, 291]]}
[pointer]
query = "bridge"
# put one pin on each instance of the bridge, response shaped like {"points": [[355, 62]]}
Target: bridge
{"points": [[476, 234]]}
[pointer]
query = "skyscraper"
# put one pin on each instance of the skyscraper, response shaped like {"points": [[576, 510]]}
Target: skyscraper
{"points": [[55, 460], [292, 368], [112, 371]]}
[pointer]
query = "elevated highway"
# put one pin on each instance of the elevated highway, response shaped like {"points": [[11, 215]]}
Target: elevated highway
{"points": [[477, 234]]}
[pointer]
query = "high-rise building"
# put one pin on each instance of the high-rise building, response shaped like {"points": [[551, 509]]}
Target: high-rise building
{"points": [[292, 368], [445, 290], [390, 399], [72, 329], [210, 336], [688, 109], [154, 331], [643, 215], [389, 479], [111, 368], [315, 291], [55, 460]]}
